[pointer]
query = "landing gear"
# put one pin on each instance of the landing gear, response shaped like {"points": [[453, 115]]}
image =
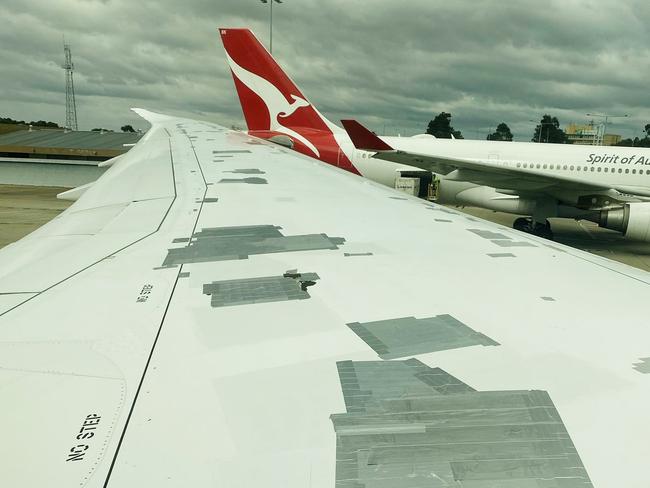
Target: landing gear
{"points": [[536, 228]]}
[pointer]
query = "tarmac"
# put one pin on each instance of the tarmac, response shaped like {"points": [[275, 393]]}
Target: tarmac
{"points": [[23, 209]]}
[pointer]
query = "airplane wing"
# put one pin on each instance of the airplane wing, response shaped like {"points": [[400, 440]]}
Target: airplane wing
{"points": [[219, 311], [505, 174]]}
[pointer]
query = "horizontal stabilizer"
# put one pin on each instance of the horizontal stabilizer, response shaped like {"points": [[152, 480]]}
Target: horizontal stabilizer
{"points": [[362, 138]]}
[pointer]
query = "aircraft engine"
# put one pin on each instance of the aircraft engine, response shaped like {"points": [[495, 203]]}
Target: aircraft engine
{"points": [[632, 219]]}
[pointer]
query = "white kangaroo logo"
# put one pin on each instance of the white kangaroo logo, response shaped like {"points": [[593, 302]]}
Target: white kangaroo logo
{"points": [[275, 101]]}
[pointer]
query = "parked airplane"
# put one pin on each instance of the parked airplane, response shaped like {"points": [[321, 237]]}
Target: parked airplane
{"points": [[610, 186], [276, 110]]}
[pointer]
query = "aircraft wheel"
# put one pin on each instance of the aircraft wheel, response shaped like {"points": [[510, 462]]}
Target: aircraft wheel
{"points": [[544, 230], [522, 223]]}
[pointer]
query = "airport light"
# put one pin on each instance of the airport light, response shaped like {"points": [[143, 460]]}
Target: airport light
{"points": [[271, 2], [606, 117]]}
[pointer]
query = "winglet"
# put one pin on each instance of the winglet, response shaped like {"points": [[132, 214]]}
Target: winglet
{"points": [[362, 138]]}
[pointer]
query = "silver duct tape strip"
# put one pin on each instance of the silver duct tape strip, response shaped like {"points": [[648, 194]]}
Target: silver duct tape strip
{"points": [[232, 243], [400, 431], [643, 366], [488, 234], [247, 171], [502, 243], [408, 336], [253, 180], [501, 255], [258, 290]]}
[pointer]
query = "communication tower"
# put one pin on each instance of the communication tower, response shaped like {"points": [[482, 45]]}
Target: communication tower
{"points": [[70, 104]]}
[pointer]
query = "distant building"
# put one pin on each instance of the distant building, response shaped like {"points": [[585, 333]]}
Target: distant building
{"points": [[56, 157], [590, 135], [611, 139]]}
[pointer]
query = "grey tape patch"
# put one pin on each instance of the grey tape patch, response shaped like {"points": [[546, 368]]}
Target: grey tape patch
{"points": [[232, 151], [398, 198], [181, 239], [643, 366], [210, 200], [502, 243], [441, 209], [442, 220], [488, 234], [408, 425], [501, 255], [247, 171], [218, 160], [184, 274], [555, 248], [267, 289], [408, 336], [251, 181], [230, 243], [350, 254], [548, 299]]}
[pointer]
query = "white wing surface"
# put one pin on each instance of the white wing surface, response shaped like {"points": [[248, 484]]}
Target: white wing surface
{"points": [[216, 311]]}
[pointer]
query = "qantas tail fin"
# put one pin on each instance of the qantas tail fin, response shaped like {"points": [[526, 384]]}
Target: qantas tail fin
{"points": [[269, 99]]}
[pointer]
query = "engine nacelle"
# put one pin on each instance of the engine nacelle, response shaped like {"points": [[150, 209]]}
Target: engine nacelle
{"points": [[632, 219], [464, 193]]}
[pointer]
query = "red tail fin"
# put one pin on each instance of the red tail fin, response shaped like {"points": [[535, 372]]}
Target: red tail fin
{"points": [[265, 91], [273, 104]]}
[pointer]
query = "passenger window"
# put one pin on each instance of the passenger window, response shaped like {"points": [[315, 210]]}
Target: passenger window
{"points": [[599, 169], [620, 170], [627, 171], [518, 165], [606, 169], [633, 171], [592, 169], [564, 167], [571, 168], [537, 165], [544, 166]]}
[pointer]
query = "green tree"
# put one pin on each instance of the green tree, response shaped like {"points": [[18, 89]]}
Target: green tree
{"points": [[502, 133], [43, 123], [548, 130], [637, 142], [127, 128], [441, 128]]}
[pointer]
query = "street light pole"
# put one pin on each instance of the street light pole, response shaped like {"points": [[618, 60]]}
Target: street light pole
{"points": [[606, 117], [541, 128], [270, 2]]}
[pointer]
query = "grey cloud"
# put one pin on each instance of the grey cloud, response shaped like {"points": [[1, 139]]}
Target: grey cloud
{"points": [[389, 64]]}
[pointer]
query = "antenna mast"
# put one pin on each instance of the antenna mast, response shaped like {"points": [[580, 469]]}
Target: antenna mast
{"points": [[70, 104]]}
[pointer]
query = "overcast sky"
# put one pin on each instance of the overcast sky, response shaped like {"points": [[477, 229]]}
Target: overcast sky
{"points": [[392, 65]]}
